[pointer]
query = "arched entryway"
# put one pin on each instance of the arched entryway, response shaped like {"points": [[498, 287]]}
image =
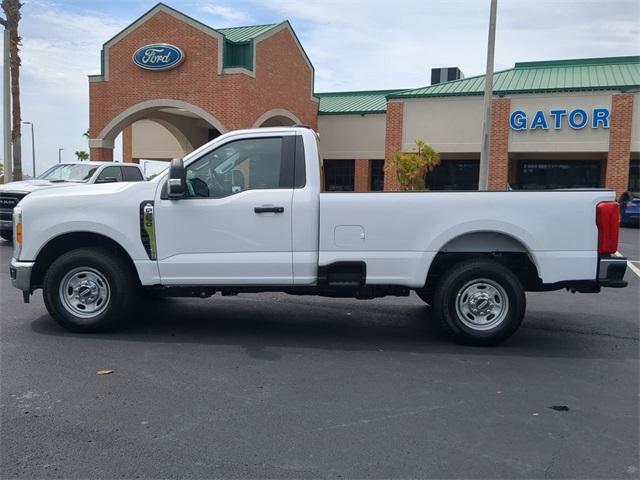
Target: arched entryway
{"points": [[278, 117], [144, 125]]}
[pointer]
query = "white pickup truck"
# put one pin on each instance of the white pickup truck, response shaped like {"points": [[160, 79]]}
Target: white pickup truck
{"points": [[61, 175], [245, 213]]}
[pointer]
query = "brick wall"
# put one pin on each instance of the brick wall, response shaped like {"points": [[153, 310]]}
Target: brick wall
{"points": [[499, 144], [617, 173], [362, 180], [127, 144], [393, 143], [101, 154], [282, 78]]}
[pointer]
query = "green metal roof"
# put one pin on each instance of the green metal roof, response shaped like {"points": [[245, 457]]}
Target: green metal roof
{"points": [[244, 34], [238, 45], [335, 103], [610, 73]]}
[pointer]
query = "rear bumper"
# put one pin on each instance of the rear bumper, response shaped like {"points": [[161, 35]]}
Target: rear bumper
{"points": [[611, 272], [20, 273]]}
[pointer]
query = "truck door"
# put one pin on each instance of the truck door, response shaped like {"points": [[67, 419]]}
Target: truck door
{"points": [[234, 225]]}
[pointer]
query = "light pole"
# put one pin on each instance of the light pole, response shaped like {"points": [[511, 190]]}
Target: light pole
{"points": [[33, 148], [483, 180], [60, 155]]}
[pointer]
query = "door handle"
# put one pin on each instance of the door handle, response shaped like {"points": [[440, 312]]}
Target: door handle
{"points": [[268, 209]]}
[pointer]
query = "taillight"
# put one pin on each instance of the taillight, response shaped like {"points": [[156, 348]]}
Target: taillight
{"points": [[608, 222]]}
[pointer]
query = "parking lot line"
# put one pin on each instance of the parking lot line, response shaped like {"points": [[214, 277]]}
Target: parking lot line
{"points": [[630, 264], [633, 268]]}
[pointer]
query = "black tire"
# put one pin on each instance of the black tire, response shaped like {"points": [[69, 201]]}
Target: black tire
{"points": [[461, 289], [110, 270], [7, 236]]}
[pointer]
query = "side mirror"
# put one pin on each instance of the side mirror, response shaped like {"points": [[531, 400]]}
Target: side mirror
{"points": [[107, 180], [177, 184]]}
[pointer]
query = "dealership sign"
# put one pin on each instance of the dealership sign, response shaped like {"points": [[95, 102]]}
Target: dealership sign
{"points": [[158, 56], [559, 118]]}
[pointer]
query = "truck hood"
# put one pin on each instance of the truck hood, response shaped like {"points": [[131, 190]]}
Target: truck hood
{"points": [[28, 186], [90, 191]]}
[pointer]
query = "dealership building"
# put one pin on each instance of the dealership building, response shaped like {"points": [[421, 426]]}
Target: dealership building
{"points": [[169, 84]]}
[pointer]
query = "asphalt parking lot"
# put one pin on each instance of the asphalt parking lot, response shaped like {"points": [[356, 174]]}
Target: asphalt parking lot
{"points": [[274, 386]]}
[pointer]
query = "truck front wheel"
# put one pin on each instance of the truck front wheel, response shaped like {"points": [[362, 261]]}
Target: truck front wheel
{"points": [[479, 302], [89, 290]]}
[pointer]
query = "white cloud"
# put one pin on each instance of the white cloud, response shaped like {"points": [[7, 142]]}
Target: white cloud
{"points": [[59, 50], [379, 44], [225, 16]]}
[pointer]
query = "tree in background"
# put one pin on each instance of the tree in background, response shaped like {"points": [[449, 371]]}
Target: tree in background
{"points": [[82, 155], [12, 13], [412, 167]]}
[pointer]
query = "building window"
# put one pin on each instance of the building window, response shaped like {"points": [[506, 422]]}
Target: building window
{"points": [[454, 175], [634, 176], [339, 175], [546, 175], [377, 175]]}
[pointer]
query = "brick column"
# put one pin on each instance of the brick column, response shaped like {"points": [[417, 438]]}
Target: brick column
{"points": [[127, 144], [617, 176], [101, 154], [393, 143], [499, 146], [362, 181]]}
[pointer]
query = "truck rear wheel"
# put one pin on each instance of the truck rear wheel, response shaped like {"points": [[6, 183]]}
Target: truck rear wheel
{"points": [[479, 302], [8, 236], [89, 290]]}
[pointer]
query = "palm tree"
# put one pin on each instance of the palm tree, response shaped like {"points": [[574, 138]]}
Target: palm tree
{"points": [[82, 155], [412, 167], [12, 13]]}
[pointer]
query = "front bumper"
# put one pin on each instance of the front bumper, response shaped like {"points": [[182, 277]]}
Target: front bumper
{"points": [[611, 272], [20, 273]]}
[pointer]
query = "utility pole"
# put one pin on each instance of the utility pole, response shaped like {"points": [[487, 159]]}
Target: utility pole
{"points": [[33, 148], [60, 155], [6, 106], [483, 180]]}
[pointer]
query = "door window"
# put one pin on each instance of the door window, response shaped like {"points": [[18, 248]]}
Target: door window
{"points": [[110, 172], [251, 164], [339, 175], [634, 175], [454, 175], [377, 175]]}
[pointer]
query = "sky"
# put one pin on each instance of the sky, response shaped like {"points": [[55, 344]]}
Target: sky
{"points": [[353, 45]]}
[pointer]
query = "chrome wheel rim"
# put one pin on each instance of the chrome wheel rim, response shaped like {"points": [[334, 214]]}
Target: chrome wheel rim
{"points": [[482, 304], [84, 292]]}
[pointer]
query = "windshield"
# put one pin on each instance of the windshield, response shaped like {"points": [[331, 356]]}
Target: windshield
{"points": [[69, 173]]}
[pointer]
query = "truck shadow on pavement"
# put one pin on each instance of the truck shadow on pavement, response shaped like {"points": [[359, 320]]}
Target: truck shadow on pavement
{"points": [[263, 327]]}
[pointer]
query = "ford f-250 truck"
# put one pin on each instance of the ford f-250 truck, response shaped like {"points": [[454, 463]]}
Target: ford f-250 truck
{"points": [[245, 213]]}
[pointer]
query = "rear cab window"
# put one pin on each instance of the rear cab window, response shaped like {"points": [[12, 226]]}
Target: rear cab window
{"points": [[132, 174]]}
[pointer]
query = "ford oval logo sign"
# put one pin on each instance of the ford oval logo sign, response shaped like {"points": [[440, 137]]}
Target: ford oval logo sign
{"points": [[158, 56]]}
